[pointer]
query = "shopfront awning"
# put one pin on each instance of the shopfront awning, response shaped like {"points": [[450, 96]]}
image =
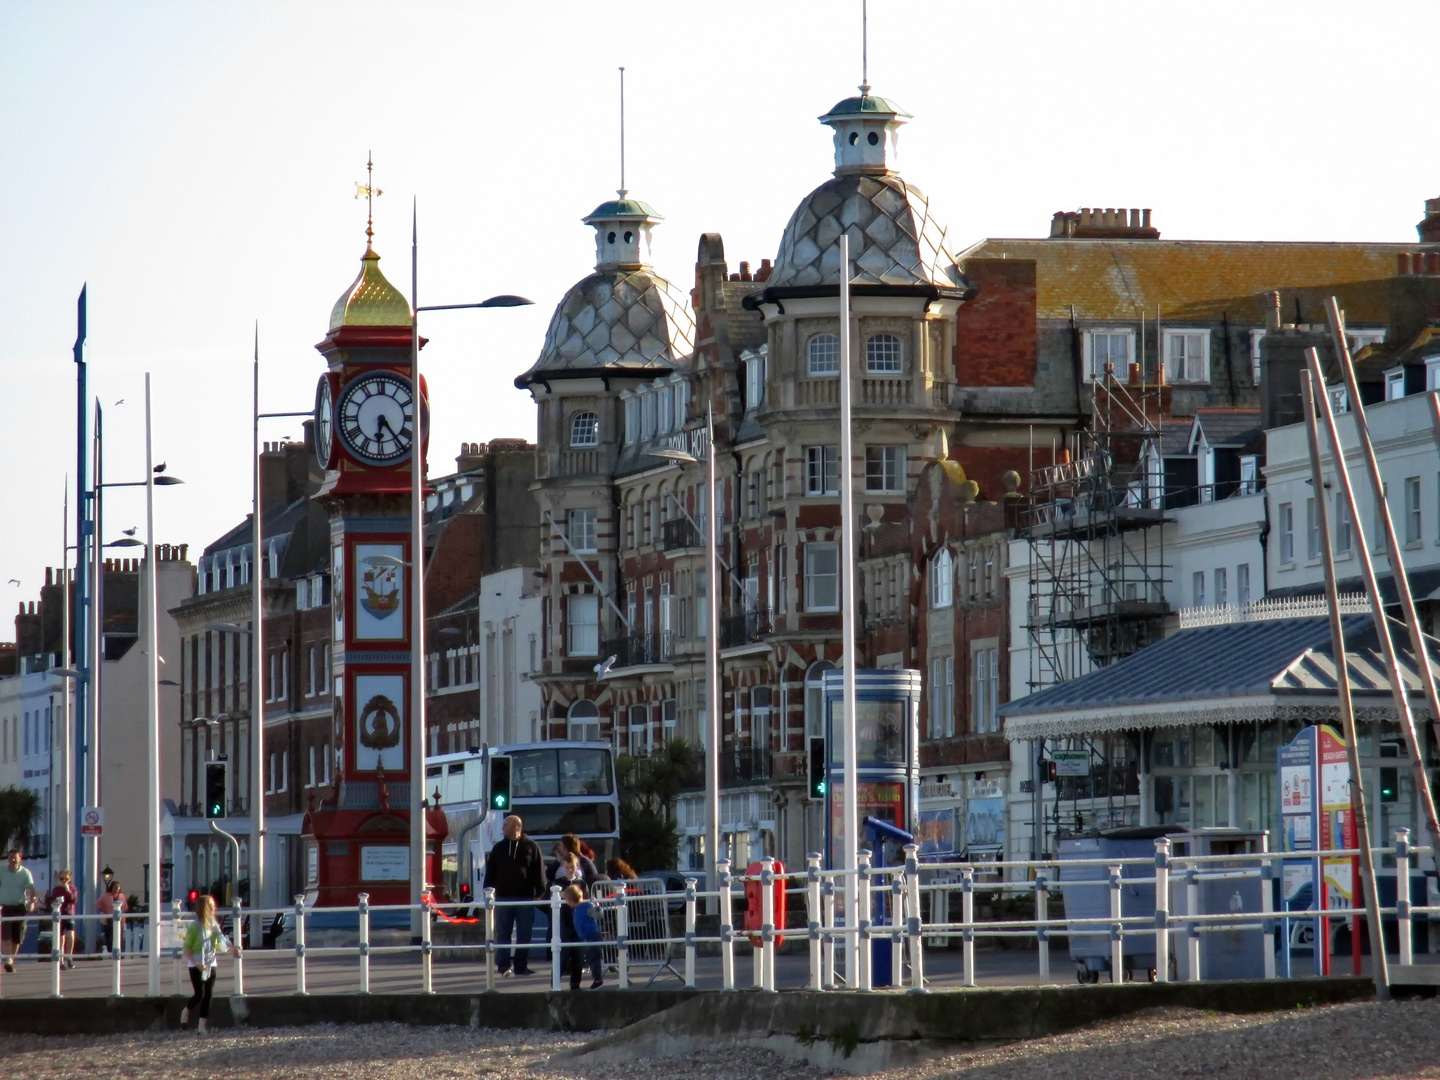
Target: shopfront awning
{"points": [[1276, 669]]}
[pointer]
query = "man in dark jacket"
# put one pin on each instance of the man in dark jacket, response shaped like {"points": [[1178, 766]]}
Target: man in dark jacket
{"points": [[515, 869]]}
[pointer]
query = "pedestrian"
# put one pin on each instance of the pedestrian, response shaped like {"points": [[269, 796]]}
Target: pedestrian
{"points": [[17, 899], [581, 850], [108, 904], [515, 869], [64, 892], [204, 942], [585, 926], [620, 870]]}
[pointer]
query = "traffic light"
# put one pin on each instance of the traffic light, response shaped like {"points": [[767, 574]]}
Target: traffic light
{"points": [[500, 783], [1389, 784], [1052, 771], [216, 775], [819, 782], [190, 898]]}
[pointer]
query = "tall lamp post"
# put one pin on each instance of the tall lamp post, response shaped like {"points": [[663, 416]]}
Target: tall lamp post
{"points": [[417, 573], [712, 653]]}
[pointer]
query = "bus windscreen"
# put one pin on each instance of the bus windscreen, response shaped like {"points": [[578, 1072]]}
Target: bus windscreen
{"points": [[551, 774], [557, 819]]}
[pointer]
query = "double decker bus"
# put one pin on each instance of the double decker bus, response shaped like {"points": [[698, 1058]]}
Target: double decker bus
{"points": [[556, 787]]}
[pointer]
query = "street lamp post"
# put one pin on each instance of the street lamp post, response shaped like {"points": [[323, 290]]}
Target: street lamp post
{"points": [[417, 572]]}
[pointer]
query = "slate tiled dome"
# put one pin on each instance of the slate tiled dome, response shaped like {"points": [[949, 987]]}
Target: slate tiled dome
{"points": [[893, 238], [623, 320]]}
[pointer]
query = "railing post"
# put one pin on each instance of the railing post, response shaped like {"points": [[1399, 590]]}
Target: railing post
{"points": [[862, 923], [489, 939], [727, 931], [1402, 896], [427, 927], [690, 933], [812, 904], [914, 927], [154, 928], [1117, 940], [1162, 910], [363, 903], [897, 928], [117, 947], [622, 940], [555, 951], [1042, 932], [967, 921], [300, 944], [237, 926], [827, 919], [55, 949], [1192, 907], [1267, 905], [767, 924]]}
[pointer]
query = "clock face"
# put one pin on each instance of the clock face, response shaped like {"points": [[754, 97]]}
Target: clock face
{"points": [[376, 417], [324, 421]]}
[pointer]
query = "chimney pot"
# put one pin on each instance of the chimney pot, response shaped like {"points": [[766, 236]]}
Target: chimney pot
{"points": [[1145, 217], [1272, 312], [1402, 263], [744, 271], [1134, 373], [1432, 262]]}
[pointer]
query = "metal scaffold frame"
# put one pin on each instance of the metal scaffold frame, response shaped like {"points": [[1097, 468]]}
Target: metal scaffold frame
{"points": [[1097, 562]]}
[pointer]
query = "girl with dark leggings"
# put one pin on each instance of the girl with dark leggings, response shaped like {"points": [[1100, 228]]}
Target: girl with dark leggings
{"points": [[204, 942]]}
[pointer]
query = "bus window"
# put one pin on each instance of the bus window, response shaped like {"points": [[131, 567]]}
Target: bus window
{"points": [[473, 770], [533, 775], [454, 789], [585, 772]]}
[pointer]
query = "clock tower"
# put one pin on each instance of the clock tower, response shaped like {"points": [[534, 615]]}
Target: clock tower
{"points": [[358, 839]]}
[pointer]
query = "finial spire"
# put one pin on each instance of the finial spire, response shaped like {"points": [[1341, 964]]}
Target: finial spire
{"points": [[369, 190], [864, 87], [621, 190]]}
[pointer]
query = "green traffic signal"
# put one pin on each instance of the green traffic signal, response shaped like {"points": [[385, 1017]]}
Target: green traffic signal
{"points": [[500, 782]]}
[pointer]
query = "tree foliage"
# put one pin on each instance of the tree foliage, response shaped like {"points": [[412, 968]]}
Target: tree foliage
{"points": [[649, 837], [19, 810]]}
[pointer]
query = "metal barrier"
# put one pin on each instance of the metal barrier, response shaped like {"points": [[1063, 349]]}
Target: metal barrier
{"points": [[637, 924]]}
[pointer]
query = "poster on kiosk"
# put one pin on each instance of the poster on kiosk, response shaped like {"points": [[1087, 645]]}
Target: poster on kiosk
{"points": [[1316, 815], [887, 757]]}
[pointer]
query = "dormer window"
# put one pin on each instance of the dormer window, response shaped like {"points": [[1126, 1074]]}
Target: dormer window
{"points": [[884, 355], [584, 429]]}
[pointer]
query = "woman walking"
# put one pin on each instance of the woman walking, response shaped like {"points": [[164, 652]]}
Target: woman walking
{"points": [[64, 892], [204, 941], [108, 904]]}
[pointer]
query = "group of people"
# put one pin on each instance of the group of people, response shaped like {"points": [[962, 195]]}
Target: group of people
{"points": [[517, 871], [18, 900]]}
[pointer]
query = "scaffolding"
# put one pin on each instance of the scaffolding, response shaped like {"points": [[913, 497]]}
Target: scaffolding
{"points": [[1097, 556]]}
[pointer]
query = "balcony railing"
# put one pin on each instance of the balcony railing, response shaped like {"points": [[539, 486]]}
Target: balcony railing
{"points": [[744, 764], [646, 647], [678, 534], [744, 629]]}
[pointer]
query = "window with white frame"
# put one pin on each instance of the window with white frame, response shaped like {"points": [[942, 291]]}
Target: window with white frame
{"points": [[647, 416], [664, 419], [992, 579], [755, 364], [1413, 531], [884, 355], [985, 686], [1312, 530], [1286, 531], [583, 722], [1187, 356], [1394, 384], [822, 470], [1432, 373], [1344, 533], [884, 468], [760, 730], [1242, 583], [582, 529], [638, 743], [823, 355], [632, 420], [782, 580], [584, 429], [1249, 474], [822, 576], [582, 615], [1197, 588], [669, 720], [942, 697], [942, 579], [1108, 350], [815, 697], [1222, 586]]}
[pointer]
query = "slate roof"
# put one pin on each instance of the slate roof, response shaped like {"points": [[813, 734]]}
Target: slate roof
{"points": [[1200, 280], [1265, 659], [893, 238]]}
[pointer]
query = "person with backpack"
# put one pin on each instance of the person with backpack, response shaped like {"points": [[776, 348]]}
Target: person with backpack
{"points": [[585, 920]]}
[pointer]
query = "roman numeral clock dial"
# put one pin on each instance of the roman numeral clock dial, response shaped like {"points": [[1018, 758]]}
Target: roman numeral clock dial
{"points": [[375, 418]]}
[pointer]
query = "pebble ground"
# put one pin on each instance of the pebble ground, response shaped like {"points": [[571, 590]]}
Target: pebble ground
{"points": [[1372, 1041]]}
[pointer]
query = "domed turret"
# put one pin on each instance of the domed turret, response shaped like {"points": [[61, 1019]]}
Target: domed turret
{"points": [[370, 300]]}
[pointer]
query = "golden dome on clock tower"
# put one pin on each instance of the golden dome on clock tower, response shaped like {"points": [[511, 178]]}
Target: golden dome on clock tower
{"points": [[370, 300]]}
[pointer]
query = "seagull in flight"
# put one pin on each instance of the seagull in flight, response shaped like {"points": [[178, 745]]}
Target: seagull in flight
{"points": [[14, 581], [603, 668], [120, 402]]}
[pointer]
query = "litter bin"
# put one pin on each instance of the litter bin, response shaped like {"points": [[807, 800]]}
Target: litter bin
{"points": [[1090, 948]]}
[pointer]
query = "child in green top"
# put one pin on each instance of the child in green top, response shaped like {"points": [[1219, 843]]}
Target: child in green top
{"points": [[204, 941]]}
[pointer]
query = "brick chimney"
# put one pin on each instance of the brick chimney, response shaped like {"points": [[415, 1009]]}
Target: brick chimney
{"points": [[1429, 227]]}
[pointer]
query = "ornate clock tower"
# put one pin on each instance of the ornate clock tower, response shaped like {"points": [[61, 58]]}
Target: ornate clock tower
{"points": [[358, 840]]}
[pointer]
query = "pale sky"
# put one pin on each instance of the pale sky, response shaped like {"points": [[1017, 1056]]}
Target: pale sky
{"points": [[195, 164]]}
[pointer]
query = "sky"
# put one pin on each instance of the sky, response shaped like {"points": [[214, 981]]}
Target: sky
{"points": [[195, 165]]}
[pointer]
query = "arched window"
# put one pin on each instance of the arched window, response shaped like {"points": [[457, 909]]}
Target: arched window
{"points": [[217, 871], [824, 355], [815, 698], [942, 579], [583, 721], [884, 355], [189, 878], [200, 881], [584, 429]]}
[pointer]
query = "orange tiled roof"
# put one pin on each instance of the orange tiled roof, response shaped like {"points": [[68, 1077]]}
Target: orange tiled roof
{"points": [[1200, 279]]}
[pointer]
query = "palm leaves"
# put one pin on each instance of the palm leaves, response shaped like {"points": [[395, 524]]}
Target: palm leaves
{"points": [[19, 810]]}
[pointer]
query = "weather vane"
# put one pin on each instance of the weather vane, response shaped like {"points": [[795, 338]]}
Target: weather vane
{"points": [[370, 191]]}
